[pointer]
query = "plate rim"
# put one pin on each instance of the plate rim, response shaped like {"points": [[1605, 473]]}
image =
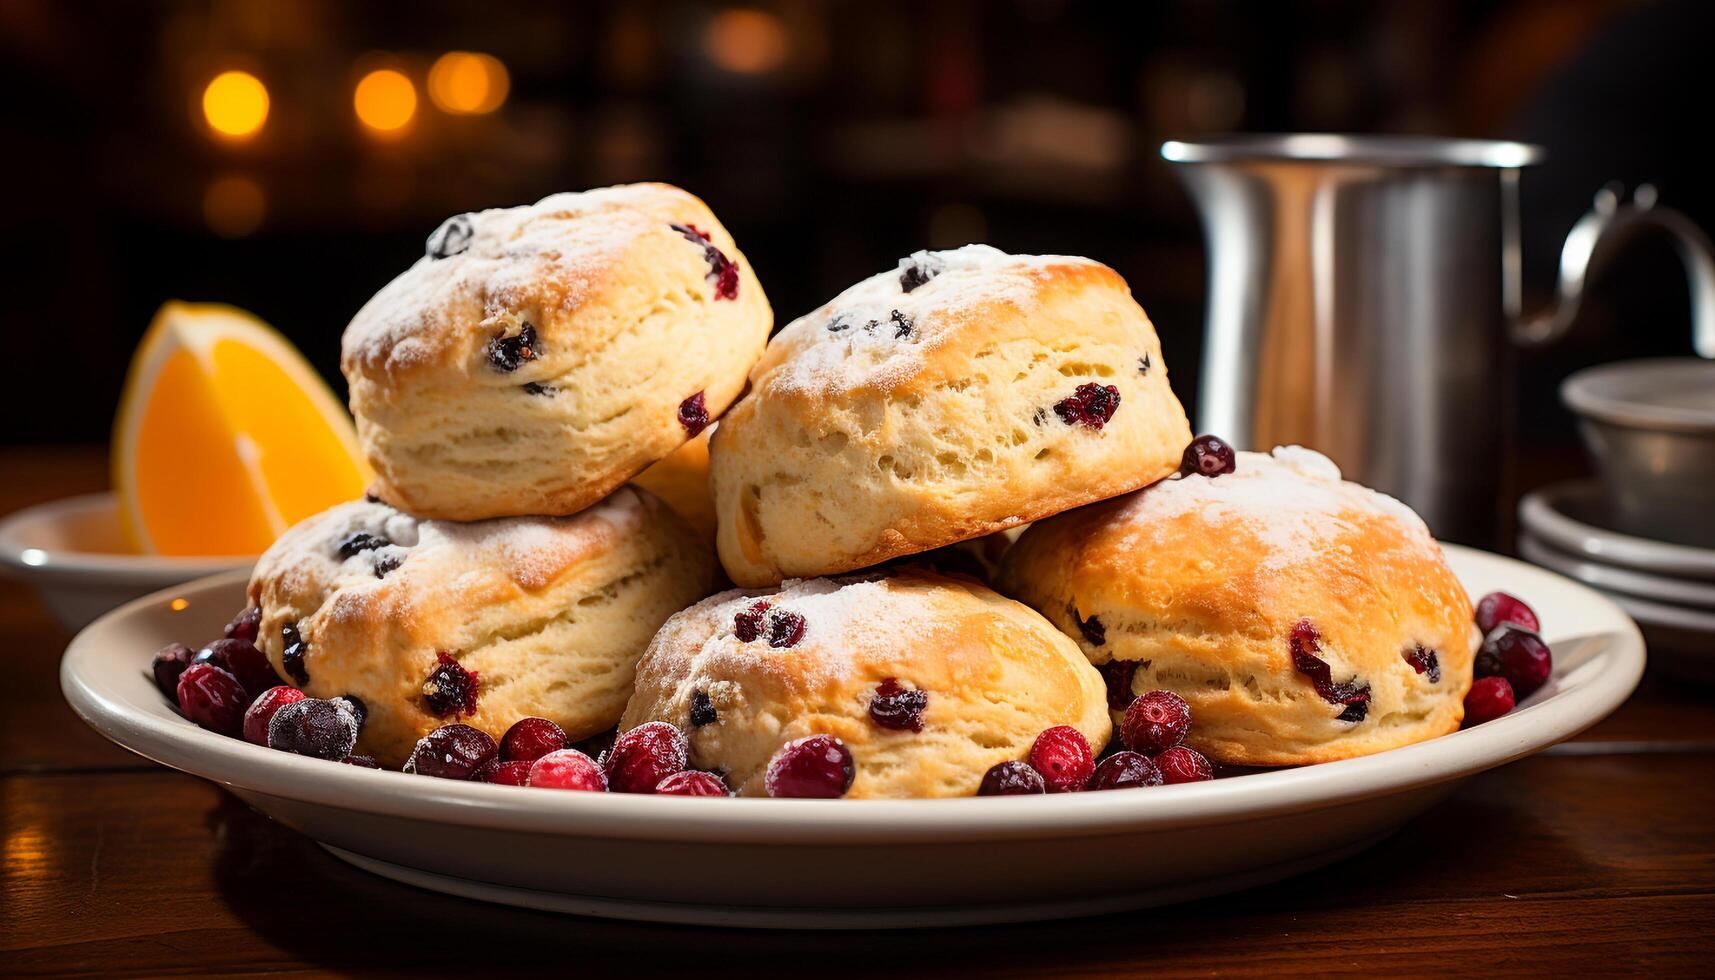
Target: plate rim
{"points": [[167, 738], [1539, 514], [1632, 583]]}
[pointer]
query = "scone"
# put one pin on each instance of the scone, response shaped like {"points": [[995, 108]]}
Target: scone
{"points": [[1304, 618], [430, 622], [538, 357], [963, 393], [929, 680], [682, 480]]}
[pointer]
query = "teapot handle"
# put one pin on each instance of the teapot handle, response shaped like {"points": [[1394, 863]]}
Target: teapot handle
{"points": [[1598, 236]]}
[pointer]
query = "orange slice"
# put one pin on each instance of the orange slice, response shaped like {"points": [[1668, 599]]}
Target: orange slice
{"points": [[226, 436]]}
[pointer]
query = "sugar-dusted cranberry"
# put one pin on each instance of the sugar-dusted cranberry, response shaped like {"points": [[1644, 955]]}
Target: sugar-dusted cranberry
{"points": [[568, 769], [503, 773], [245, 625], [694, 414], [1424, 661], [913, 273], [1183, 764], [313, 727], [1498, 607], [897, 707], [261, 711], [386, 565], [1062, 755], [539, 389], [1092, 628], [723, 272], [511, 353], [785, 628], [692, 783], [1305, 643], [359, 710], [243, 660], [1517, 654], [1208, 456], [1090, 405], [361, 761], [292, 652], [1488, 699], [358, 542], [450, 688], [1011, 779], [530, 739], [747, 623], [702, 709], [1156, 721], [1117, 674], [212, 698], [452, 237], [1123, 770], [451, 752], [902, 325], [643, 756], [816, 766], [170, 661]]}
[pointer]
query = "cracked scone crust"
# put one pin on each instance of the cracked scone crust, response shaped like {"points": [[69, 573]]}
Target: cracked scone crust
{"points": [[550, 613], [545, 364], [995, 674], [1203, 584], [893, 421]]}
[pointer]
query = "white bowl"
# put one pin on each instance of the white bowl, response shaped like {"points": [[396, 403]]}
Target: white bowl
{"points": [[849, 863], [75, 554]]}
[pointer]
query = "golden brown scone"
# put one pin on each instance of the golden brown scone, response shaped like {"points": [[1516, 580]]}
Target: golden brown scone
{"points": [[539, 357], [550, 614], [1229, 590], [682, 480], [963, 393], [995, 675]]}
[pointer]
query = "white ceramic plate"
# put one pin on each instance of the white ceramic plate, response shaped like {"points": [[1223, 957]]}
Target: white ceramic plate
{"points": [[1619, 579], [1567, 516], [849, 863], [75, 554]]}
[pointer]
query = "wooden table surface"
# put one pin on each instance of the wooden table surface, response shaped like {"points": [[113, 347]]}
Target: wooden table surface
{"points": [[1598, 855]]}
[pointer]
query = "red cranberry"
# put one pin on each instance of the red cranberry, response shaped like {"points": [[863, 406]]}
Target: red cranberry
{"points": [[243, 660], [1156, 721], [817, 766], [692, 783], [1123, 770], [694, 414], [359, 710], [1118, 674], [1498, 607], [1092, 628], [1062, 755], [898, 708], [785, 629], [1518, 655], [1183, 764], [451, 752], [503, 773], [702, 709], [1090, 405], [510, 353], [451, 238], [212, 698], [567, 769], [450, 688], [293, 649], [245, 625], [1305, 642], [261, 711], [530, 739], [1011, 779], [361, 761], [1424, 661], [313, 727], [1488, 699], [358, 542], [643, 756], [915, 274], [1208, 456], [723, 272], [170, 661], [747, 624]]}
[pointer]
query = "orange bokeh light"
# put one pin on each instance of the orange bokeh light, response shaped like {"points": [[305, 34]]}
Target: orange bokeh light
{"points": [[468, 83], [235, 104], [747, 42], [385, 101]]}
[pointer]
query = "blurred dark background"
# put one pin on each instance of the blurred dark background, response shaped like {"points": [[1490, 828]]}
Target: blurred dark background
{"points": [[831, 138]]}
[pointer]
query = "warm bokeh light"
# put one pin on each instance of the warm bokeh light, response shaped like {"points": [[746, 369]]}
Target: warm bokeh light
{"points": [[385, 101], [468, 83], [748, 42], [235, 103], [234, 206]]}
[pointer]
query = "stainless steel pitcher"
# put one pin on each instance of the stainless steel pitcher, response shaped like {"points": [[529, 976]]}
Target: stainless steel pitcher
{"points": [[1364, 297]]}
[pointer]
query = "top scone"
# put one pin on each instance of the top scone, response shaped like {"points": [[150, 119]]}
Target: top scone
{"points": [[964, 392], [538, 357]]}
